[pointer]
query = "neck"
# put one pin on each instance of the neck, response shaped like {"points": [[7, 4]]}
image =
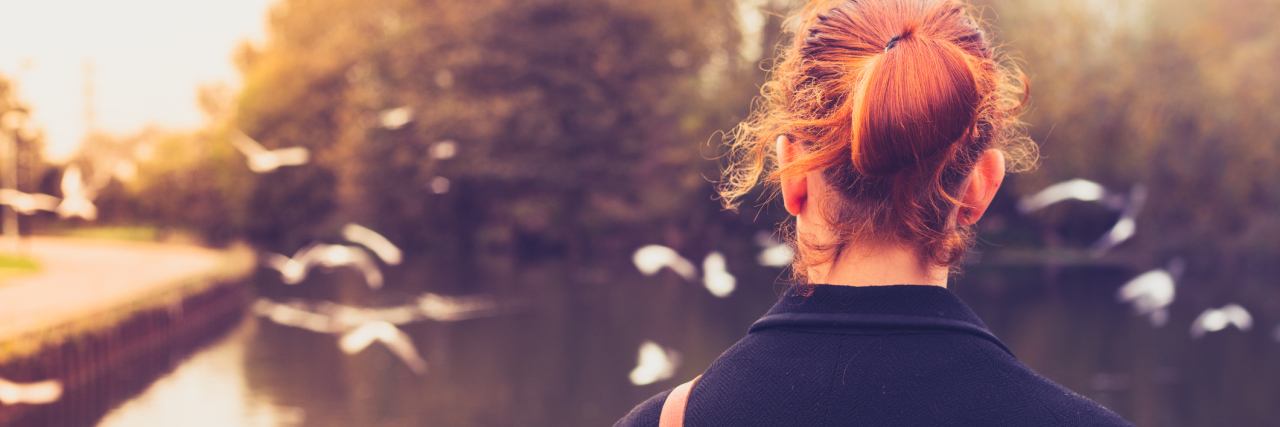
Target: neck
{"points": [[877, 265]]}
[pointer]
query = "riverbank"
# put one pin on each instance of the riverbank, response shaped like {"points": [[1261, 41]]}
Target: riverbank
{"points": [[86, 285], [104, 318]]}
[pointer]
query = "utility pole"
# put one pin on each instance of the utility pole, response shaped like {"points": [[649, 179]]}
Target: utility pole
{"points": [[10, 123]]}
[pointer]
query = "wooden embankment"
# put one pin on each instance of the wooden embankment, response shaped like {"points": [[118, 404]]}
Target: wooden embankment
{"points": [[106, 318]]}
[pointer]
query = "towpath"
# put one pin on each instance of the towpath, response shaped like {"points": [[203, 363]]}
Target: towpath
{"points": [[83, 278]]}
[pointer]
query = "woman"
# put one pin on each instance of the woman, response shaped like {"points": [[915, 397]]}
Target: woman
{"points": [[888, 126]]}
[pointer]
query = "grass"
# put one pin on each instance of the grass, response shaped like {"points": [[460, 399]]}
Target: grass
{"points": [[16, 265]]}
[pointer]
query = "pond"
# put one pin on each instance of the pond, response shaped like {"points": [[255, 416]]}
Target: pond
{"points": [[561, 350]]}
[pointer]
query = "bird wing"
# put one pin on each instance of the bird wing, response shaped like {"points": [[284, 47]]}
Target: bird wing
{"points": [[292, 156], [448, 309], [357, 339], [363, 262], [380, 246], [275, 261], [245, 144], [46, 202], [402, 346], [1078, 189], [1239, 316], [41, 392]]}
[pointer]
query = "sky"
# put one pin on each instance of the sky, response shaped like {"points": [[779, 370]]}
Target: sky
{"points": [[148, 59]]}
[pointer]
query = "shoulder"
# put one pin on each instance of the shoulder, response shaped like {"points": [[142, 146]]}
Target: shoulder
{"points": [[1054, 401], [645, 414]]}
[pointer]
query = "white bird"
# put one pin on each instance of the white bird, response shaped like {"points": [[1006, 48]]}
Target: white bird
{"points": [[1076, 189], [652, 258], [28, 204], [262, 160], [1217, 319], [359, 327], [77, 197], [294, 270], [380, 246], [444, 149], [716, 277], [395, 118], [775, 253], [1126, 225], [396, 340], [654, 364], [1152, 292], [47, 391]]}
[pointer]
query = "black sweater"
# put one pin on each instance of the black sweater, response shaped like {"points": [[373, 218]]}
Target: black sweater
{"points": [[874, 356]]}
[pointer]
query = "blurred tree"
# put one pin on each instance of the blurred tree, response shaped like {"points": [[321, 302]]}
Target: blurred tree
{"points": [[15, 122], [537, 126], [1175, 94]]}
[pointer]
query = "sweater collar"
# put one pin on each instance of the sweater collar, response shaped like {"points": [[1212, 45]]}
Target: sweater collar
{"points": [[901, 300], [897, 308]]}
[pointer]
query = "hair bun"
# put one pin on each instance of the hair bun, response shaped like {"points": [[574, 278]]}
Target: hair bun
{"points": [[913, 103]]}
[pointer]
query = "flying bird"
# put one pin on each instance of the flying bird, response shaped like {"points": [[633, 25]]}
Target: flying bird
{"points": [[654, 364], [77, 197], [1088, 191], [41, 392], [28, 204], [1217, 319], [294, 270], [395, 118], [652, 258], [716, 277], [1076, 189], [1126, 225], [262, 160], [358, 328], [361, 326], [1152, 292], [775, 253], [380, 246], [444, 149]]}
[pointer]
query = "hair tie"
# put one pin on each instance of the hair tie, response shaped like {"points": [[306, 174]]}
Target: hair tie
{"points": [[892, 42]]}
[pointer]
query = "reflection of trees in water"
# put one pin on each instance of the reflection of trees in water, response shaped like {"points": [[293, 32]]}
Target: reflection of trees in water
{"points": [[564, 360]]}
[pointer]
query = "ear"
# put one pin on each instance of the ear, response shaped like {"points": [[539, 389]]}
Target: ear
{"points": [[981, 188], [795, 191]]}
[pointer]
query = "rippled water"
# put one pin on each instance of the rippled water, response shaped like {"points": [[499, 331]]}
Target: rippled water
{"points": [[565, 356]]}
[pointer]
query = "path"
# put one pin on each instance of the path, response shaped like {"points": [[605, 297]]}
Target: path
{"points": [[82, 278]]}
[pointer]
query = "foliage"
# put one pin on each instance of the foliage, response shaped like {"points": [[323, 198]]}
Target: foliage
{"points": [[1177, 95], [15, 124], [571, 118]]}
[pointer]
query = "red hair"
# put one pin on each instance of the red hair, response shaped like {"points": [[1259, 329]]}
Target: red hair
{"points": [[894, 101]]}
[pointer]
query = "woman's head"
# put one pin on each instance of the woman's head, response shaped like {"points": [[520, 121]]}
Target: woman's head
{"points": [[891, 105]]}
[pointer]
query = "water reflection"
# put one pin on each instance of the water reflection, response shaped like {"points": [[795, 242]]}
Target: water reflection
{"points": [[570, 356], [207, 390]]}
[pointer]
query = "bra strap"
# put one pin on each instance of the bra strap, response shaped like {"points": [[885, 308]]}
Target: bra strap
{"points": [[673, 407]]}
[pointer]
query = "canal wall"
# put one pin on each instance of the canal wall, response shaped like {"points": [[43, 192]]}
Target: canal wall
{"points": [[148, 307]]}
